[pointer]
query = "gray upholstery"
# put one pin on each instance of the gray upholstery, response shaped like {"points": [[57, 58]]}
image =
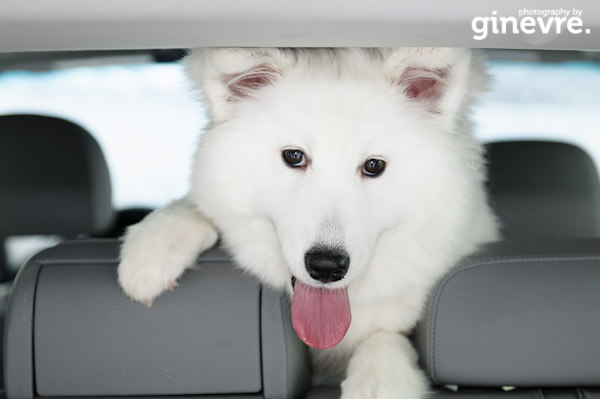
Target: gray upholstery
{"points": [[517, 314], [542, 189], [470, 393], [70, 331], [523, 393], [53, 178]]}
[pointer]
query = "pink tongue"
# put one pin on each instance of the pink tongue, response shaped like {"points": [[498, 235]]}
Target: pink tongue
{"points": [[320, 316]]}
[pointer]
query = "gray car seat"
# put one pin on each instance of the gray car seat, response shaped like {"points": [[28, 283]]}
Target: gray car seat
{"points": [[53, 179], [519, 313], [71, 332], [543, 189]]}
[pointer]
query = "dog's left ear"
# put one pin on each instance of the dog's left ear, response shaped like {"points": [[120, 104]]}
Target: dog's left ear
{"points": [[443, 81], [229, 75]]}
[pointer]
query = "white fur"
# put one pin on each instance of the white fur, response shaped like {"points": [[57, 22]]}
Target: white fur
{"points": [[160, 248], [402, 230]]}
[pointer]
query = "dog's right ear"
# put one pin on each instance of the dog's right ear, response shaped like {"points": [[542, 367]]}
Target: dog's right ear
{"points": [[227, 76]]}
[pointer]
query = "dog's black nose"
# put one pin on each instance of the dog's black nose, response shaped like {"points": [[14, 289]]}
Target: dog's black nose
{"points": [[327, 266]]}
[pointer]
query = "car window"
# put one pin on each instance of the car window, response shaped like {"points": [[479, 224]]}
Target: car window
{"points": [[147, 119], [144, 117], [544, 101]]}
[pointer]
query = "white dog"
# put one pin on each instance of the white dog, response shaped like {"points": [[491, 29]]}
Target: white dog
{"points": [[348, 174]]}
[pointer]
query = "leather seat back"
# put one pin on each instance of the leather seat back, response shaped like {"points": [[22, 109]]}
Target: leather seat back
{"points": [[519, 314], [53, 178], [543, 189], [71, 332]]}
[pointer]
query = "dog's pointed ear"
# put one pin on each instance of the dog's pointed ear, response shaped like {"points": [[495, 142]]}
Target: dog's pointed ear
{"points": [[443, 81], [423, 84], [242, 85], [227, 76]]}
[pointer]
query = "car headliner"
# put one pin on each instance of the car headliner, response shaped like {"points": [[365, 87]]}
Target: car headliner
{"points": [[31, 25]]}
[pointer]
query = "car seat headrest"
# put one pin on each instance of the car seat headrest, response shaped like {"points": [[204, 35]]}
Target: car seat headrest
{"points": [[517, 313], [53, 178], [542, 189], [70, 331]]}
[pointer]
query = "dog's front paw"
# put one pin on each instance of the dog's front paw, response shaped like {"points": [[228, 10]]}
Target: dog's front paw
{"points": [[159, 249], [384, 367], [384, 384], [144, 272]]}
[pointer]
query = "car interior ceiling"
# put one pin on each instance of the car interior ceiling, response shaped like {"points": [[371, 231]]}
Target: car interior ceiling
{"points": [[545, 193]]}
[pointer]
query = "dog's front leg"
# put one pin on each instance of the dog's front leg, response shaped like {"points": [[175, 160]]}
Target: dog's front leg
{"points": [[384, 366], [157, 250]]}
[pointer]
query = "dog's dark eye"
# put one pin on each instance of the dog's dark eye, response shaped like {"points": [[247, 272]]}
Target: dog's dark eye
{"points": [[294, 158], [373, 167]]}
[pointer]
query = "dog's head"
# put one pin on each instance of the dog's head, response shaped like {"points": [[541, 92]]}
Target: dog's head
{"points": [[315, 156]]}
